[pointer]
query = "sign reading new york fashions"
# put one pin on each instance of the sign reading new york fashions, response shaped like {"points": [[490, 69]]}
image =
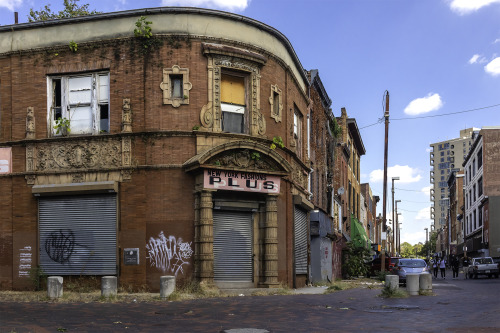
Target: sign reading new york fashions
{"points": [[241, 181]]}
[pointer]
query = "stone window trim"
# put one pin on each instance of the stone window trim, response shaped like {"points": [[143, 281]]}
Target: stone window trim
{"points": [[166, 86], [276, 95], [224, 58]]}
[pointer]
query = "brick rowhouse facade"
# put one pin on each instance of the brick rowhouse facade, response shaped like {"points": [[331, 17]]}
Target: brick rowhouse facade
{"points": [[168, 167]]}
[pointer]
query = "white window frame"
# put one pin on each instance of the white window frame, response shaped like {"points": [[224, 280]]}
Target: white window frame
{"points": [[97, 94]]}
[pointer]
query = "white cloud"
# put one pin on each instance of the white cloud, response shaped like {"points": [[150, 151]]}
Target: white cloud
{"points": [[496, 41], [493, 67], [405, 173], [232, 5], [427, 191], [424, 214], [463, 7], [11, 4], [424, 105], [474, 59], [477, 59]]}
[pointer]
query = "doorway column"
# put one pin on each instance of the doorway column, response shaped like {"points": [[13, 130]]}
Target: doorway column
{"points": [[204, 238], [271, 242]]}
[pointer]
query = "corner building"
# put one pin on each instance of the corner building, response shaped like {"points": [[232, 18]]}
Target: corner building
{"points": [[141, 157]]}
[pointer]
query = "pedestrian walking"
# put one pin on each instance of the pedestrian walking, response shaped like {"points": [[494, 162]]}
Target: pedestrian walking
{"points": [[442, 267], [455, 266], [466, 263], [435, 267]]}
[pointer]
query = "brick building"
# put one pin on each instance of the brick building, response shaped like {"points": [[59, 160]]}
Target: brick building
{"points": [[481, 225], [141, 157]]}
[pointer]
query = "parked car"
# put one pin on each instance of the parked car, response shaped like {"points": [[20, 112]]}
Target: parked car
{"points": [[406, 266], [482, 266], [376, 265]]}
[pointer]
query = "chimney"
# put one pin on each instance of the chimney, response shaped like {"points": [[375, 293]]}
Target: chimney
{"points": [[16, 19]]}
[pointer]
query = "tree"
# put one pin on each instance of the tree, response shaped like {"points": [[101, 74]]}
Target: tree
{"points": [[71, 9], [355, 260], [430, 246], [407, 250]]}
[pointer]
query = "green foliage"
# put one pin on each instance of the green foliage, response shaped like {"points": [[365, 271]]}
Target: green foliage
{"points": [[73, 46], [38, 278], [389, 292], [255, 156], [277, 142], [335, 128], [355, 260], [381, 275], [143, 29], [196, 127], [62, 126], [71, 9], [144, 33]]}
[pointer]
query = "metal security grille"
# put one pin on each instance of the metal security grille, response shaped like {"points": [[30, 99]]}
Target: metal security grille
{"points": [[233, 246], [300, 241], [78, 234]]}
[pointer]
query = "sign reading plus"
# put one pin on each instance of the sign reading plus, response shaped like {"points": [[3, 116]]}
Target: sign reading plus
{"points": [[241, 181]]}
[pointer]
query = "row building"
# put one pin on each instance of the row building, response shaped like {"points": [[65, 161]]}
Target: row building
{"points": [[204, 151]]}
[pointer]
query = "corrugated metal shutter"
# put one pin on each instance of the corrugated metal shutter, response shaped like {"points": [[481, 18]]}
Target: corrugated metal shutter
{"points": [[78, 234], [233, 246], [300, 241]]}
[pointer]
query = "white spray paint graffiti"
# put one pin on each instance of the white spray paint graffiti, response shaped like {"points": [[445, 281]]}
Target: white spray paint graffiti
{"points": [[168, 255], [25, 261]]}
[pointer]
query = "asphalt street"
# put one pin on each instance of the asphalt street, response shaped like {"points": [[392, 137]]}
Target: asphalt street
{"points": [[457, 305]]}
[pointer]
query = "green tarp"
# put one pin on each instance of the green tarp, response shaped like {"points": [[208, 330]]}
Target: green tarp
{"points": [[358, 234]]}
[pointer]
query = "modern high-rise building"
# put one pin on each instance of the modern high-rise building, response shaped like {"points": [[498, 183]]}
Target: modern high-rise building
{"points": [[446, 156]]}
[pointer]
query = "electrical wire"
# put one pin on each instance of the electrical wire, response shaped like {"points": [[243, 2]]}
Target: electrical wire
{"points": [[381, 120], [448, 114]]}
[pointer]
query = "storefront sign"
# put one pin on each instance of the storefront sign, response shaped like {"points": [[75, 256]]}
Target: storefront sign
{"points": [[5, 160], [241, 181]]}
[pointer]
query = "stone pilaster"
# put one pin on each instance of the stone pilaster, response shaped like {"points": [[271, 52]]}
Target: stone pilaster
{"points": [[204, 238], [271, 242]]}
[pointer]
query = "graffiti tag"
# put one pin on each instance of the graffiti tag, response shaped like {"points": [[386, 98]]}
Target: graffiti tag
{"points": [[168, 254], [60, 245]]}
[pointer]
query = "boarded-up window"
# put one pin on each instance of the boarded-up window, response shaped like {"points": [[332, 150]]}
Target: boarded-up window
{"points": [[233, 103]]}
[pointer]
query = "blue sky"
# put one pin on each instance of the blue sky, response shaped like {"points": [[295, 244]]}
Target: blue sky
{"points": [[434, 57]]}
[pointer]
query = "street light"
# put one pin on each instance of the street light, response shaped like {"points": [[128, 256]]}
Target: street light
{"points": [[427, 241], [397, 233], [398, 238], [393, 179]]}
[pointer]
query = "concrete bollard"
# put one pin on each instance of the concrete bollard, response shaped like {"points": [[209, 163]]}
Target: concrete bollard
{"points": [[392, 281], [167, 285], [425, 282], [108, 286], [54, 287], [412, 284]]}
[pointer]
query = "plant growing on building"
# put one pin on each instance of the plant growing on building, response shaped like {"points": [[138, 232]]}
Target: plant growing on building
{"points": [[144, 33], [277, 142], [62, 126], [335, 128], [73, 46], [255, 156], [143, 29]]}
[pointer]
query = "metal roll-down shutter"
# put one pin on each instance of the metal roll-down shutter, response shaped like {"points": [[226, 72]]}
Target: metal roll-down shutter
{"points": [[233, 246], [78, 234], [300, 223]]}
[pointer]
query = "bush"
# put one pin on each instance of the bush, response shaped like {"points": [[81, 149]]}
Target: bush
{"points": [[355, 261]]}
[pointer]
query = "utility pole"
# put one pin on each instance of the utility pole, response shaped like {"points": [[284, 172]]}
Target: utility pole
{"points": [[384, 201], [427, 241], [397, 227], [394, 240]]}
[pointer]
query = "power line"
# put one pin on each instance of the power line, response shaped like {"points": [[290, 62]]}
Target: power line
{"points": [[448, 114], [380, 120], [402, 189]]}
